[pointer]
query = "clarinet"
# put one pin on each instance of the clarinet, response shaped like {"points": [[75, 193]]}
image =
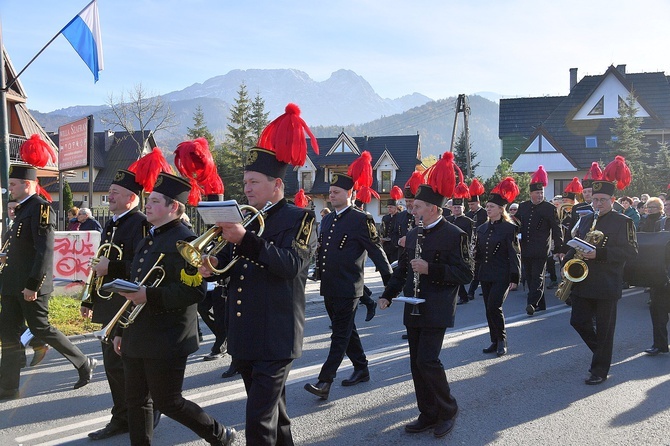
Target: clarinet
{"points": [[417, 254]]}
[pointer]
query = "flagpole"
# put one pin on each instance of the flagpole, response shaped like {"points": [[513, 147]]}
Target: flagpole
{"points": [[4, 134]]}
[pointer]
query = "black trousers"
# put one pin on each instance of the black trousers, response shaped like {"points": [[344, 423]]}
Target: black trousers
{"points": [[551, 268], [163, 380], [267, 422], [212, 310], [658, 310], [391, 251], [473, 287], [117, 384], [598, 338], [36, 314], [535, 269], [462, 294], [495, 294], [433, 395], [344, 339]]}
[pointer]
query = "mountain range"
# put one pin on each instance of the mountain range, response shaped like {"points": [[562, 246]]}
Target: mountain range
{"points": [[344, 101]]}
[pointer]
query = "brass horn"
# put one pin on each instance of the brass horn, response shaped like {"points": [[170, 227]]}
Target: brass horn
{"points": [[94, 282], [198, 251]]}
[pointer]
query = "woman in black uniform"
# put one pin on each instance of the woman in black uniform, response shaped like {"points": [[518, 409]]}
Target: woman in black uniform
{"points": [[497, 261]]}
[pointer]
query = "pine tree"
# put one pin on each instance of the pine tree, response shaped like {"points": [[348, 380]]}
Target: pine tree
{"points": [[199, 129], [230, 167], [67, 197], [258, 117], [503, 171], [660, 170], [240, 136], [460, 155]]}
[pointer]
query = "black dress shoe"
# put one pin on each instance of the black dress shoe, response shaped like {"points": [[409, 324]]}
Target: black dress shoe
{"points": [[108, 431], [320, 389], [594, 380], [40, 353], [502, 348], [654, 351], [212, 356], [227, 438], [372, 310], [404, 336], [491, 348], [471, 297], [420, 425], [232, 371], [85, 373], [9, 394], [462, 301], [530, 310], [359, 376], [443, 427]]}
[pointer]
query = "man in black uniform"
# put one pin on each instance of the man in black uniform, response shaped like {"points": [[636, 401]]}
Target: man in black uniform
{"points": [[156, 345], [28, 283], [126, 229], [443, 266], [390, 230], [477, 214], [596, 297], [266, 296], [466, 225], [347, 237], [539, 226]]}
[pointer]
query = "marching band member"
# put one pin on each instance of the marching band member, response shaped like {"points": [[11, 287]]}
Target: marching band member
{"points": [[154, 348], [266, 292], [443, 265], [478, 214]]}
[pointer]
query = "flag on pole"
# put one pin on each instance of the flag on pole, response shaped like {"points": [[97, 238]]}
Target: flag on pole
{"points": [[83, 33]]}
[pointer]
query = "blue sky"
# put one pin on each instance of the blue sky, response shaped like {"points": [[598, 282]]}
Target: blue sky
{"points": [[437, 48]]}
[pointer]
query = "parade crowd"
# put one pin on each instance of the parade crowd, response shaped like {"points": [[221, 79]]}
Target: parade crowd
{"points": [[246, 279]]}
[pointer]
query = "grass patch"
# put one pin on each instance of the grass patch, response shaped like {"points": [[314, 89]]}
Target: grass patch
{"points": [[64, 314]]}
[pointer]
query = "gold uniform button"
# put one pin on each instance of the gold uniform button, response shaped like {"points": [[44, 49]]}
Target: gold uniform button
{"points": [[151, 242], [146, 251], [239, 314], [139, 270], [241, 277], [239, 290], [244, 266], [239, 302], [141, 260]]}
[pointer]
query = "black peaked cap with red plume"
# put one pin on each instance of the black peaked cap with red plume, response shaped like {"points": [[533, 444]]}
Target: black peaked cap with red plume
{"points": [[412, 185], [37, 152], [594, 173], [539, 180], [572, 189], [505, 192], [147, 169], [616, 174], [441, 181], [476, 189], [396, 194]]}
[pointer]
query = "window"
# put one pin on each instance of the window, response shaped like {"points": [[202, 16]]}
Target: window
{"points": [[306, 181], [599, 108], [387, 183], [343, 148], [104, 199], [560, 185], [84, 174], [591, 142], [84, 198], [622, 104]]}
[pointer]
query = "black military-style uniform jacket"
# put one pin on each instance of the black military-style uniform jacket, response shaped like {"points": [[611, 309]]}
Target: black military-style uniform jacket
{"points": [[29, 262], [466, 224], [266, 292], [479, 217], [497, 257], [539, 225], [405, 222], [343, 243], [167, 325], [445, 248], [131, 228], [619, 245]]}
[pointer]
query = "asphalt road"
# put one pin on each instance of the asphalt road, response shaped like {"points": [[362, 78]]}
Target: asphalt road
{"points": [[534, 395]]}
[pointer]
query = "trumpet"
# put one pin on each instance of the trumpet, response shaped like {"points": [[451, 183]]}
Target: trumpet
{"points": [[94, 282], [3, 253], [198, 251], [120, 318]]}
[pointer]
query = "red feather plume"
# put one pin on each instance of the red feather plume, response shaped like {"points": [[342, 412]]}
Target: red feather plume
{"points": [[574, 187], [286, 137], [193, 159], [195, 194], [476, 188], [365, 194], [416, 180], [43, 192], [442, 176], [396, 193], [361, 170], [301, 200], [595, 173], [147, 168], [213, 185], [540, 176], [507, 189], [36, 152], [618, 171]]}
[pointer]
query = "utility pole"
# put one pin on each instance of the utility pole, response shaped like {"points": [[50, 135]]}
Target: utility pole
{"points": [[462, 106]]}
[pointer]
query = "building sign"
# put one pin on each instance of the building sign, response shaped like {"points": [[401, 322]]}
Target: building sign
{"points": [[73, 145]]}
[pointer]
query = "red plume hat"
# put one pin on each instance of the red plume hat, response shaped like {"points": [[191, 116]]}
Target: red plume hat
{"points": [[539, 180], [412, 185], [37, 152], [594, 173], [505, 192], [396, 194], [616, 174], [476, 189], [572, 189], [147, 168]]}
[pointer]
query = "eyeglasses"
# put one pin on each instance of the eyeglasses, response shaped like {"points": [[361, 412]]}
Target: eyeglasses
{"points": [[653, 207]]}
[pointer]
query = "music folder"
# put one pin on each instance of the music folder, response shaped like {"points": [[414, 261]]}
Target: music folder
{"points": [[213, 212], [409, 300], [581, 245], [120, 286]]}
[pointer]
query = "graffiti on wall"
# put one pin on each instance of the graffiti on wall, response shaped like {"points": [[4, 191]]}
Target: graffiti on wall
{"points": [[73, 251]]}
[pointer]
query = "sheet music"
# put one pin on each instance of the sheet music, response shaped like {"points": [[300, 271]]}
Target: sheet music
{"points": [[216, 211], [409, 300], [120, 286]]}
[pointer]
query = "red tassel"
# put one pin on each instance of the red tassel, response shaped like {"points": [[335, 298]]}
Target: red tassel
{"points": [[41, 191], [540, 176], [286, 137], [574, 187], [147, 168], [301, 200], [193, 159], [595, 173], [361, 170], [416, 180], [213, 185], [618, 171], [507, 189], [476, 188], [396, 193], [195, 195], [462, 191], [36, 152], [442, 177], [365, 194]]}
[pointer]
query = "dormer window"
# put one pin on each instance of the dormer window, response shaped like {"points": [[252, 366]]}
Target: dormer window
{"points": [[386, 182], [306, 180], [342, 148], [599, 108]]}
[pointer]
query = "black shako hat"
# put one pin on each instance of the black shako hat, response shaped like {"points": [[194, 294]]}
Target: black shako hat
{"points": [[457, 202], [341, 180], [173, 187], [427, 194], [126, 179], [23, 172], [265, 161], [603, 187]]}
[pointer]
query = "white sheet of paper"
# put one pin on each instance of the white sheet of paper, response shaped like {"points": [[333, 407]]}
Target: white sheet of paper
{"points": [[409, 300], [26, 337], [213, 212]]}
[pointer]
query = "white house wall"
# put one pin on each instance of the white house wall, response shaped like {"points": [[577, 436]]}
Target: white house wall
{"points": [[611, 89]]}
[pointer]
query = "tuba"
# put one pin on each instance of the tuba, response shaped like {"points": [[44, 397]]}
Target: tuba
{"points": [[576, 270], [126, 316], [94, 282], [198, 251]]}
